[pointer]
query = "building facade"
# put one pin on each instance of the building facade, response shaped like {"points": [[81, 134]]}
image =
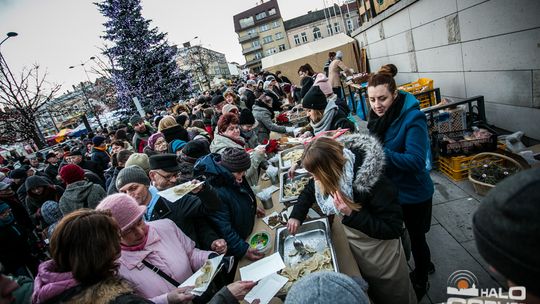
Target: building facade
{"points": [[322, 23], [206, 67], [261, 33]]}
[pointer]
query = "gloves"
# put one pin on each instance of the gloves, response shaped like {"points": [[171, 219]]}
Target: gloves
{"points": [[290, 130]]}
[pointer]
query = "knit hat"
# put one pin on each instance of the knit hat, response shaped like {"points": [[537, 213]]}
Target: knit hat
{"points": [[339, 54], [124, 209], [3, 207], [506, 229], [314, 99], [98, 140], [228, 108], [3, 186], [235, 159], [50, 211], [135, 119], [322, 81], [34, 182], [246, 117], [166, 162], [140, 160], [251, 82], [196, 149], [167, 122], [326, 287], [50, 155], [19, 173], [71, 173], [217, 99], [153, 138], [132, 174], [177, 144]]}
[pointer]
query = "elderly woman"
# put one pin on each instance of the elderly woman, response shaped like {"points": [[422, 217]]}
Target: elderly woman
{"points": [[84, 248], [396, 120], [348, 180], [264, 114], [175, 135], [39, 190], [228, 136], [156, 144], [233, 99]]}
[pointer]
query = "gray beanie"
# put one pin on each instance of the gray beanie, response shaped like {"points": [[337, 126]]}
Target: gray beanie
{"points": [[132, 174], [235, 159], [326, 287]]}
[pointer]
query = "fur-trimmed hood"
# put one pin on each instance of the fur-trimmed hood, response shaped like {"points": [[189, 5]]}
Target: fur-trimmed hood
{"points": [[370, 160]]}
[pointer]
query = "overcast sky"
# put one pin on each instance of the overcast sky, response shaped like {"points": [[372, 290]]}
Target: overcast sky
{"points": [[59, 33]]}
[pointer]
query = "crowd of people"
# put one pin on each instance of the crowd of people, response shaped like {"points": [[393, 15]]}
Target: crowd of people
{"points": [[85, 222]]}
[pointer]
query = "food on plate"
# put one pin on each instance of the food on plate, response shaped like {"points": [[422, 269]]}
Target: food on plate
{"points": [[184, 188], [274, 220], [205, 276], [294, 187], [319, 261], [293, 155], [260, 241]]}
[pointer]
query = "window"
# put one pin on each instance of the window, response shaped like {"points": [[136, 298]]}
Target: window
{"points": [[304, 37], [279, 35], [272, 12], [350, 25], [252, 31], [267, 39], [246, 22], [316, 33], [258, 55], [264, 28], [271, 51], [296, 40], [282, 47], [337, 27], [261, 15], [329, 29], [255, 43], [217, 71], [275, 24]]}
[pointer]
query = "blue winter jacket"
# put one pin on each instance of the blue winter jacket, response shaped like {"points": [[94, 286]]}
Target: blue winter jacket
{"points": [[235, 218], [408, 154]]}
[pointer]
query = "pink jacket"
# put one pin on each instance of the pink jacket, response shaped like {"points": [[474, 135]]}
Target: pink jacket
{"points": [[49, 283], [167, 248]]}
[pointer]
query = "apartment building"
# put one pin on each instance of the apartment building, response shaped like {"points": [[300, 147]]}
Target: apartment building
{"points": [[261, 33], [323, 23], [207, 67]]}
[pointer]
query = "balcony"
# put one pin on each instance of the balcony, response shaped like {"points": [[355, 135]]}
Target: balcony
{"points": [[248, 37], [251, 50], [253, 62]]}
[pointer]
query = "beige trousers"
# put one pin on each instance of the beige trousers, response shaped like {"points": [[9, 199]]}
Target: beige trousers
{"points": [[383, 265]]}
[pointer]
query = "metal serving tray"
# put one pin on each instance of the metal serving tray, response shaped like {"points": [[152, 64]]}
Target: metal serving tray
{"points": [[315, 234], [286, 165], [283, 179]]}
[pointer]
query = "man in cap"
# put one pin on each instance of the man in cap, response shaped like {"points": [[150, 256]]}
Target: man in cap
{"points": [[506, 230], [142, 132], [75, 157], [185, 212], [250, 94], [218, 101], [52, 166], [35, 163], [99, 152], [18, 177]]}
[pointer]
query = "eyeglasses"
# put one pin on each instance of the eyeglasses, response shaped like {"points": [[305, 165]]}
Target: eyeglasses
{"points": [[170, 176]]}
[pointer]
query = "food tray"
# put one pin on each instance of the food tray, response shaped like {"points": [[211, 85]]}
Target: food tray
{"points": [[284, 165], [315, 234], [283, 179]]}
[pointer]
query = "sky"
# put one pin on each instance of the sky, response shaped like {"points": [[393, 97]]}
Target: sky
{"points": [[57, 34]]}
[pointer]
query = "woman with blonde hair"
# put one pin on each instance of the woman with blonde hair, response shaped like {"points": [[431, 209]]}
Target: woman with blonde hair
{"points": [[348, 181]]}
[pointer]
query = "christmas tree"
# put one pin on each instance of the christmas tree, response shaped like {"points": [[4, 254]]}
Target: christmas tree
{"points": [[143, 62]]}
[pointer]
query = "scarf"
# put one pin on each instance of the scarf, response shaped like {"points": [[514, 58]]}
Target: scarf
{"points": [[326, 202], [140, 246], [379, 125], [326, 121], [239, 141], [264, 105]]}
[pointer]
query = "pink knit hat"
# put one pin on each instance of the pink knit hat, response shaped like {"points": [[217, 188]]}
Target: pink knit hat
{"points": [[322, 81], [124, 209]]}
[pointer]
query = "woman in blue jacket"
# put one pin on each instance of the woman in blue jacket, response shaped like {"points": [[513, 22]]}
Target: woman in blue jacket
{"points": [[395, 118]]}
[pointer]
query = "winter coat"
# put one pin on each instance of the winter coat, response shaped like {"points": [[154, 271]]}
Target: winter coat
{"points": [[170, 250], [380, 216], [51, 171], [33, 203], [101, 157], [408, 154], [250, 99], [94, 167], [16, 251], [236, 216], [141, 139], [334, 72], [19, 211], [189, 214], [266, 125], [306, 83], [51, 286], [175, 132], [250, 138], [221, 142], [81, 194], [111, 189]]}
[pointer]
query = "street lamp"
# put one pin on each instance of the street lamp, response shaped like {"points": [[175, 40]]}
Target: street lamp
{"points": [[83, 88], [9, 35]]}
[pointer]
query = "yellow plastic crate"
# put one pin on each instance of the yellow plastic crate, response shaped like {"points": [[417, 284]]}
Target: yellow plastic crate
{"points": [[421, 85], [456, 167], [455, 175]]}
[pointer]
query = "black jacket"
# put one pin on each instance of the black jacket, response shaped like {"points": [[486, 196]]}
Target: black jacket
{"points": [[380, 216], [94, 167], [189, 214], [250, 99], [306, 83]]}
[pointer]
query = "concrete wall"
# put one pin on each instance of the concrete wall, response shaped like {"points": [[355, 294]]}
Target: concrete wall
{"points": [[468, 47]]}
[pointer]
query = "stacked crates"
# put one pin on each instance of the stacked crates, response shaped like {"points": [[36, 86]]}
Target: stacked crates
{"points": [[419, 86]]}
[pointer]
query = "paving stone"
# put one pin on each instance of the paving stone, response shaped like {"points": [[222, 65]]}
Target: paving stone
{"points": [[445, 190], [456, 217], [470, 246], [449, 256], [466, 186]]}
